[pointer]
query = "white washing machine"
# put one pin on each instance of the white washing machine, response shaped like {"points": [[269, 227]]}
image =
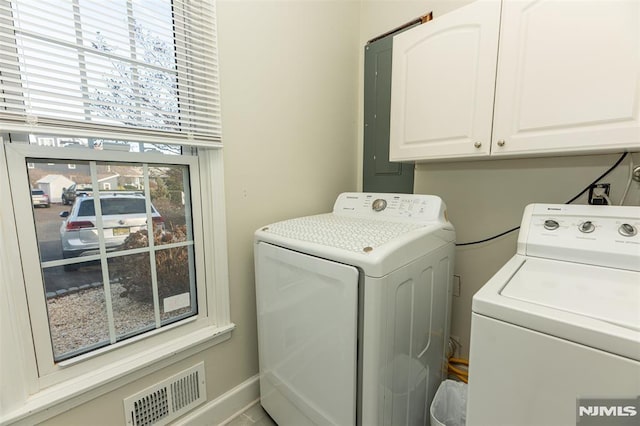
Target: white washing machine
{"points": [[354, 311], [560, 323]]}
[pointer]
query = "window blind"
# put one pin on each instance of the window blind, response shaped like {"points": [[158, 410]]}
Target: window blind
{"points": [[136, 68]]}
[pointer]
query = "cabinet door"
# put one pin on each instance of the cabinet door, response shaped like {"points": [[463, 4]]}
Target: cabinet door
{"points": [[443, 83], [568, 77]]}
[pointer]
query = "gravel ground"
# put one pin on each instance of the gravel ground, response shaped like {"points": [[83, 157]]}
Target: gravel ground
{"points": [[80, 319]]}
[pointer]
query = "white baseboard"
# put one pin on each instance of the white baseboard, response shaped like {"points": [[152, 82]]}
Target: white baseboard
{"points": [[225, 407]]}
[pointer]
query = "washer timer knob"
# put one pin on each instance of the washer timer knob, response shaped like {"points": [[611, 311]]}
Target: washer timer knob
{"points": [[627, 230], [551, 224], [379, 205], [586, 227]]}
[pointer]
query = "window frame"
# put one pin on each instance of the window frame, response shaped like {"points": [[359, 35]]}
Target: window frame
{"points": [[48, 384]]}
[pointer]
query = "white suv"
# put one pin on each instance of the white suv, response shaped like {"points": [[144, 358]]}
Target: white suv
{"points": [[122, 214], [39, 198]]}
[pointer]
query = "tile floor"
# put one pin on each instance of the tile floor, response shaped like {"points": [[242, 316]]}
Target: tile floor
{"points": [[252, 416]]}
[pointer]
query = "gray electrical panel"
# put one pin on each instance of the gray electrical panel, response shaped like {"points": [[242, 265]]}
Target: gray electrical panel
{"points": [[379, 174]]}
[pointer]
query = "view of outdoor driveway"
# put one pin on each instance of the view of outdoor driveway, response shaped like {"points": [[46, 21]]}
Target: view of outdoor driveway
{"points": [[100, 271]]}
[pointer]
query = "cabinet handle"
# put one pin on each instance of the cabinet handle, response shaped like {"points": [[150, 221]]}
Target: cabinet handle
{"points": [[501, 142], [477, 144]]}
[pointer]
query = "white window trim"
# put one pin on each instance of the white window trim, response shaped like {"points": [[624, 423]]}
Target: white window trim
{"points": [[35, 398]]}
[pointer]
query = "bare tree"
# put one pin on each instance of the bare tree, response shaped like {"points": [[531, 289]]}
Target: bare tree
{"points": [[140, 95]]}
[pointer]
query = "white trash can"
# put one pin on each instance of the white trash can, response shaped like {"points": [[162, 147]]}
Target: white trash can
{"points": [[449, 405]]}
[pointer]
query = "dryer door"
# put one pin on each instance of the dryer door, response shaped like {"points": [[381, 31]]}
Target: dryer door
{"points": [[307, 330]]}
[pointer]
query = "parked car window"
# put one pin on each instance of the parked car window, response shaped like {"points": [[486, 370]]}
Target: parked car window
{"points": [[112, 206]]}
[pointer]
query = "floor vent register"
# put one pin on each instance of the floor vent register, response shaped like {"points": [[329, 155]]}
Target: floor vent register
{"points": [[165, 401]]}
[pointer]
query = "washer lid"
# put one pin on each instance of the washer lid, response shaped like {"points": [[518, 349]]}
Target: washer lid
{"points": [[611, 295], [590, 305]]}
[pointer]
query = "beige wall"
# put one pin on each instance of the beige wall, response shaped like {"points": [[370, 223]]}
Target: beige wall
{"points": [[289, 72], [485, 198], [289, 93]]}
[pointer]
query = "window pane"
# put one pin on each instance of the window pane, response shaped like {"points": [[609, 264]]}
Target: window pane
{"points": [[156, 28], [148, 64], [125, 92], [105, 23], [123, 71], [46, 18], [77, 310], [176, 285], [169, 194], [123, 205], [75, 243], [131, 294], [152, 102], [55, 187]]}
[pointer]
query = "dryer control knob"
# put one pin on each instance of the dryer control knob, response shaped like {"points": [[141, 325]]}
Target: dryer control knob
{"points": [[586, 227], [627, 230], [551, 224], [379, 205]]}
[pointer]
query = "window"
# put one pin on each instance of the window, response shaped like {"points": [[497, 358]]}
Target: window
{"points": [[103, 278], [112, 108], [151, 280]]}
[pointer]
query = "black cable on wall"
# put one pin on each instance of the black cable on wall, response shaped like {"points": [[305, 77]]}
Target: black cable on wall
{"points": [[617, 163]]}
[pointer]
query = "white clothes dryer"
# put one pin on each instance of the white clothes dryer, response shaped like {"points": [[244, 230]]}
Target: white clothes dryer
{"points": [[558, 327], [354, 311]]}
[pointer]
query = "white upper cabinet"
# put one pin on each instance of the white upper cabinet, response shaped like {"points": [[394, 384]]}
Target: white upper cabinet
{"points": [[568, 77], [567, 81], [443, 85]]}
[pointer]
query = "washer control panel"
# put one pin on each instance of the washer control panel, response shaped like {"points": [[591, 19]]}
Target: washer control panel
{"points": [[598, 235], [396, 207], [625, 229]]}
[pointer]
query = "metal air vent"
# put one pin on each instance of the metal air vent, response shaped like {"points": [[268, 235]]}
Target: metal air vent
{"points": [[165, 401]]}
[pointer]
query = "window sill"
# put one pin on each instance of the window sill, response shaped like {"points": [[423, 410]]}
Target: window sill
{"points": [[56, 399]]}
